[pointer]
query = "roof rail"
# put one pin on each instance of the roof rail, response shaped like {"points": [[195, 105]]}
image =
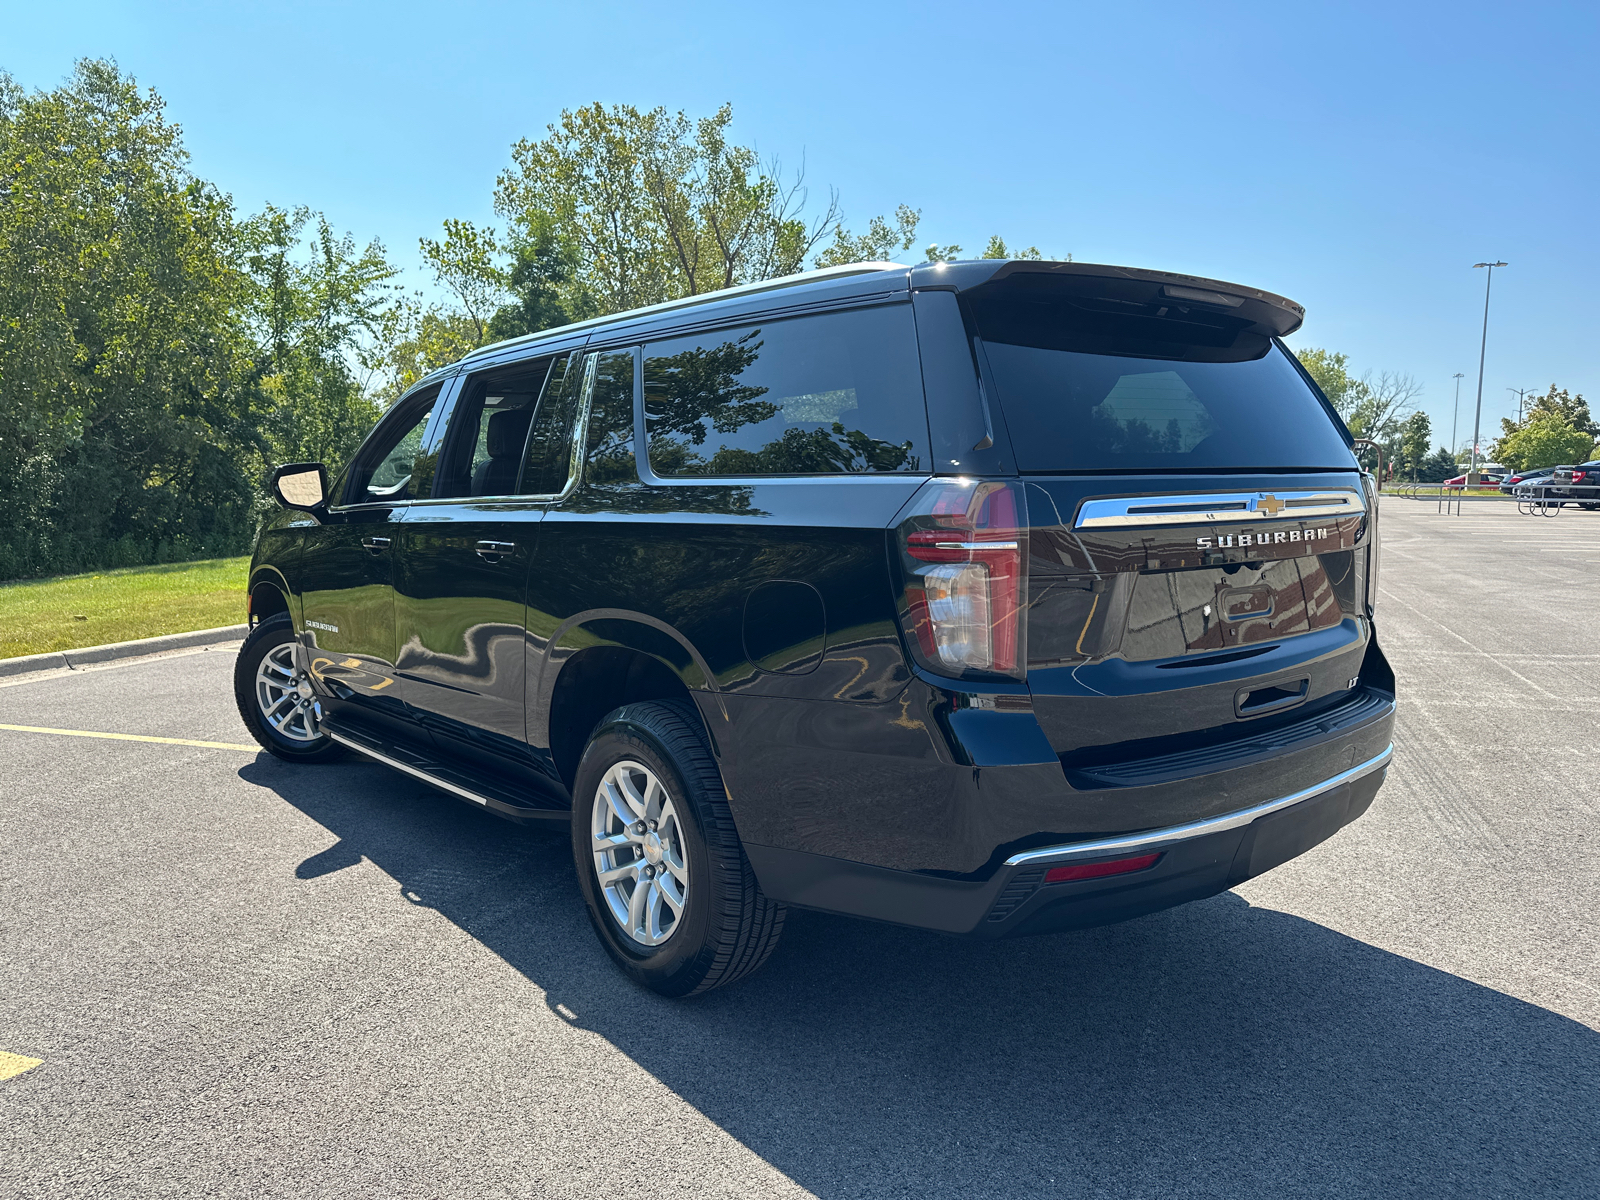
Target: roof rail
{"points": [[746, 289]]}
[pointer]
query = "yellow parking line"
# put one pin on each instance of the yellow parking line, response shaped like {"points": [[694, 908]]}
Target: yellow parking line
{"points": [[16, 1064], [132, 737]]}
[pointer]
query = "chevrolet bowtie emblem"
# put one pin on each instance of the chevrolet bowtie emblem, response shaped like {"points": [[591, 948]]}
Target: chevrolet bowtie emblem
{"points": [[1270, 505]]}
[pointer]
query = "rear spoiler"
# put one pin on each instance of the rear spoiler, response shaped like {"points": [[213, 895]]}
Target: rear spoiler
{"points": [[1265, 312]]}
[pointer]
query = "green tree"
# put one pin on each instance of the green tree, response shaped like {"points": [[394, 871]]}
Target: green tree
{"points": [[320, 310], [996, 248], [1539, 434], [1544, 440], [1415, 438], [1331, 371], [654, 206], [125, 416], [1437, 467]]}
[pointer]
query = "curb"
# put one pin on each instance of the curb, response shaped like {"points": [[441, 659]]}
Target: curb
{"points": [[59, 659]]}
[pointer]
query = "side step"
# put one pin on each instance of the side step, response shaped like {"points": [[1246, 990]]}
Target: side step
{"points": [[498, 799]]}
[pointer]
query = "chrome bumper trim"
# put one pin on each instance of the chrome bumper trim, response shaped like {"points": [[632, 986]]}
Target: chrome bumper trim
{"points": [[464, 793], [1157, 839]]}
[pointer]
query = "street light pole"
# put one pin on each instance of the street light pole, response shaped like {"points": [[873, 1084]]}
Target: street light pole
{"points": [[1456, 408], [1483, 349]]}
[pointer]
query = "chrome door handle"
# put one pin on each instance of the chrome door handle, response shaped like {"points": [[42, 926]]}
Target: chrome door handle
{"points": [[495, 551], [375, 544]]}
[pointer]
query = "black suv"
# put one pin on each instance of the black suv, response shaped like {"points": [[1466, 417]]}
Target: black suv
{"points": [[985, 597]]}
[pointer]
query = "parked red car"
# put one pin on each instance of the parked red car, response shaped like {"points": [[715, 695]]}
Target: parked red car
{"points": [[1485, 480]]}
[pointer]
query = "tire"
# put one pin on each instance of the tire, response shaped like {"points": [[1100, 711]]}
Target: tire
{"points": [[254, 690], [721, 927]]}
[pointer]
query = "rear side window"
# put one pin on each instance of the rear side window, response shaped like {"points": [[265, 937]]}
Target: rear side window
{"points": [[832, 393], [610, 444], [1086, 390]]}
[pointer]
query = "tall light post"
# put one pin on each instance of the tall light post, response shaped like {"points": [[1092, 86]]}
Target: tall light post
{"points": [[1455, 446], [1483, 349]]}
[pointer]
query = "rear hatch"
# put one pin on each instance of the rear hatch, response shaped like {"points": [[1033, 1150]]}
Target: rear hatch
{"points": [[1198, 529]]}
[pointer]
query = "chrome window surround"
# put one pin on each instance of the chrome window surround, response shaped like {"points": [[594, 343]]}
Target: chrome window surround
{"points": [[1133, 512], [1160, 839]]}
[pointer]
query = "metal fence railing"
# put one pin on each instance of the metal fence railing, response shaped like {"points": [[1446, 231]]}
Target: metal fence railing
{"points": [[1532, 499]]}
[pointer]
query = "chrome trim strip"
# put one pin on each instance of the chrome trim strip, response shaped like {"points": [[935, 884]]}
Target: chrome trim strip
{"points": [[1157, 839], [409, 769], [1130, 512]]}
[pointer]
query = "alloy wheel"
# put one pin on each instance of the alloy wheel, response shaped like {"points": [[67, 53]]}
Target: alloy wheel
{"points": [[638, 852], [284, 695]]}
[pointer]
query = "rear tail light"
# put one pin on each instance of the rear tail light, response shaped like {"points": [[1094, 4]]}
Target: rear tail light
{"points": [[1095, 870], [1374, 545], [961, 555], [1578, 476]]}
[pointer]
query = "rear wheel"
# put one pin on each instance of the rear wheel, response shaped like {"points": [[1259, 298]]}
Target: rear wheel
{"points": [[667, 884], [275, 698]]}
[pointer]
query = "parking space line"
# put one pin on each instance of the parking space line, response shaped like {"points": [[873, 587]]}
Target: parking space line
{"points": [[132, 737], [15, 1064]]}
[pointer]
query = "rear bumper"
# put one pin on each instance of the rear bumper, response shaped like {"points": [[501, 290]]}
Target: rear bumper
{"points": [[1197, 859]]}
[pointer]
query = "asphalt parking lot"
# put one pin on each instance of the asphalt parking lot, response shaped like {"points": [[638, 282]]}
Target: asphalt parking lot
{"points": [[244, 978]]}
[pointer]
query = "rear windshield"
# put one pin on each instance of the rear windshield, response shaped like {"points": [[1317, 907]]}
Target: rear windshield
{"points": [[1070, 407]]}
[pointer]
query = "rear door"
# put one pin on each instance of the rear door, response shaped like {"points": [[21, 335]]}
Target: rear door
{"points": [[466, 552]]}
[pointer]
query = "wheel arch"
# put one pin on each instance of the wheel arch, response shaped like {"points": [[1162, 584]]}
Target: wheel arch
{"points": [[269, 595], [600, 660]]}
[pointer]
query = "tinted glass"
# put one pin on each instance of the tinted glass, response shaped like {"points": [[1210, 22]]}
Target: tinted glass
{"points": [[610, 447], [825, 394], [489, 428], [1085, 388], [550, 441], [393, 467]]}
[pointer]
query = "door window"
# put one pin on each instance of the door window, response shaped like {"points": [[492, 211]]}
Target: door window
{"points": [[488, 435], [393, 468], [825, 394]]}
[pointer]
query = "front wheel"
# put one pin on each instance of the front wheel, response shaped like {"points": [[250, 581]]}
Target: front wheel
{"points": [[275, 698], [667, 884]]}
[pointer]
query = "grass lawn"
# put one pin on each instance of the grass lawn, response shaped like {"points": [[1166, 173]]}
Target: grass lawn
{"points": [[69, 611]]}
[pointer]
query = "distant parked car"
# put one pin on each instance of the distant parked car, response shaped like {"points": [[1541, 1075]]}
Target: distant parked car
{"points": [[1580, 483], [1485, 480], [1536, 478]]}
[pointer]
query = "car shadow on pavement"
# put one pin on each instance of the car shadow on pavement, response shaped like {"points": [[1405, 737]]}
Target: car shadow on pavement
{"points": [[1214, 1050]]}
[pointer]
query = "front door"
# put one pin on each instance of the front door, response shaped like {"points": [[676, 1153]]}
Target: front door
{"points": [[463, 567], [347, 625]]}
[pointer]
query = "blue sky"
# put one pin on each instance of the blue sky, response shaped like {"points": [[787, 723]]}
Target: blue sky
{"points": [[1356, 157]]}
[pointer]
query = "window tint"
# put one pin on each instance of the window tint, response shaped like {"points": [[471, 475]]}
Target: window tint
{"points": [[1070, 411], [832, 393], [550, 441], [489, 428], [610, 453], [393, 467]]}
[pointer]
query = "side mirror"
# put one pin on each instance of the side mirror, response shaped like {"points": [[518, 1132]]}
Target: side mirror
{"points": [[301, 485]]}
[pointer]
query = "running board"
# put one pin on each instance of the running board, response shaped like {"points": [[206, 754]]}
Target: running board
{"points": [[436, 778]]}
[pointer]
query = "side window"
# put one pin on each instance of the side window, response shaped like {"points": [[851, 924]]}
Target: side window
{"points": [[393, 467], [610, 442], [550, 443], [483, 450], [825, 394]]}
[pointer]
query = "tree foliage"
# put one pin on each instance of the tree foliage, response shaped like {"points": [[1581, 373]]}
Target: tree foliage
{"points": [[156, 352], [1376, 408], [1555, 429], [160, 353]]}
